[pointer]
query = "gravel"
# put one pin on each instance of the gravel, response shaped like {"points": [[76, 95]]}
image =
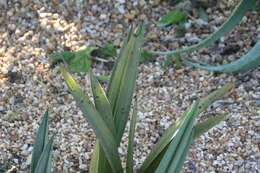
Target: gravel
{"points": [[31, 30]]}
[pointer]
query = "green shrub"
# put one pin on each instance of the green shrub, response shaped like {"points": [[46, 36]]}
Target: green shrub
{"points": [[109, 113]]}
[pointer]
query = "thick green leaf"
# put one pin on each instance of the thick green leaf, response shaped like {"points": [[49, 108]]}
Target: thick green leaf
{"points": [[174, 17], [130, 147], [184, 154], [44, 164], [184, 130], [78, 61], [206, 125], [102, 104], [102, 131], [176, 159], [155, 156], [249, 61], [232, 21], [40, 142], [123, 79], [98, 161]]}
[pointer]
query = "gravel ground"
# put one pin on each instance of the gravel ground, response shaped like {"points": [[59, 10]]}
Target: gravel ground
{"points": [[31, 30]]}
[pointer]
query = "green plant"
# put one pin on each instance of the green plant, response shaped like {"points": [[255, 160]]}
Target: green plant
{"points": [[42, 149], [173, 17], [245, 63], [249, 61], [109, 114], [237, 15], [81, 60]]}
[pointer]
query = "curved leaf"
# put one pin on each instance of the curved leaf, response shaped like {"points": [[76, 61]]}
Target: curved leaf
{"points": [[231, 22], [249, 61]]}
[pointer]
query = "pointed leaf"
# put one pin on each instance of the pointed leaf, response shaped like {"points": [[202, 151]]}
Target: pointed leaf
{"points": [[98, 161], [206, 125], [44, 164], [102, 131], [123, 79], [40, 141], [101, 103], [215, 95]]}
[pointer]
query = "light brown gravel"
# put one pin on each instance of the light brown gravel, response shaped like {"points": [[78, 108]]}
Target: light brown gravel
{"points": [[31, 30]]}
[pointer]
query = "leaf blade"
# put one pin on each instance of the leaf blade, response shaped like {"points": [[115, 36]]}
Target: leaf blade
{"points": [[158, 151], [123, 79], [130, 161], [44, 164], [173, 17], [177, 137], [102, 103], [41, 141], [230, 23], [206, 125], [102, 131], [247, 62]]}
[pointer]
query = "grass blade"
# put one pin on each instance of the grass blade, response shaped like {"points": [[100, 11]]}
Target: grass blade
{"points": [[206, 125], [44, 164], [232, 21], [130, 147], [123, 79], [102, 131], [40, 142], [249, 61]]}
